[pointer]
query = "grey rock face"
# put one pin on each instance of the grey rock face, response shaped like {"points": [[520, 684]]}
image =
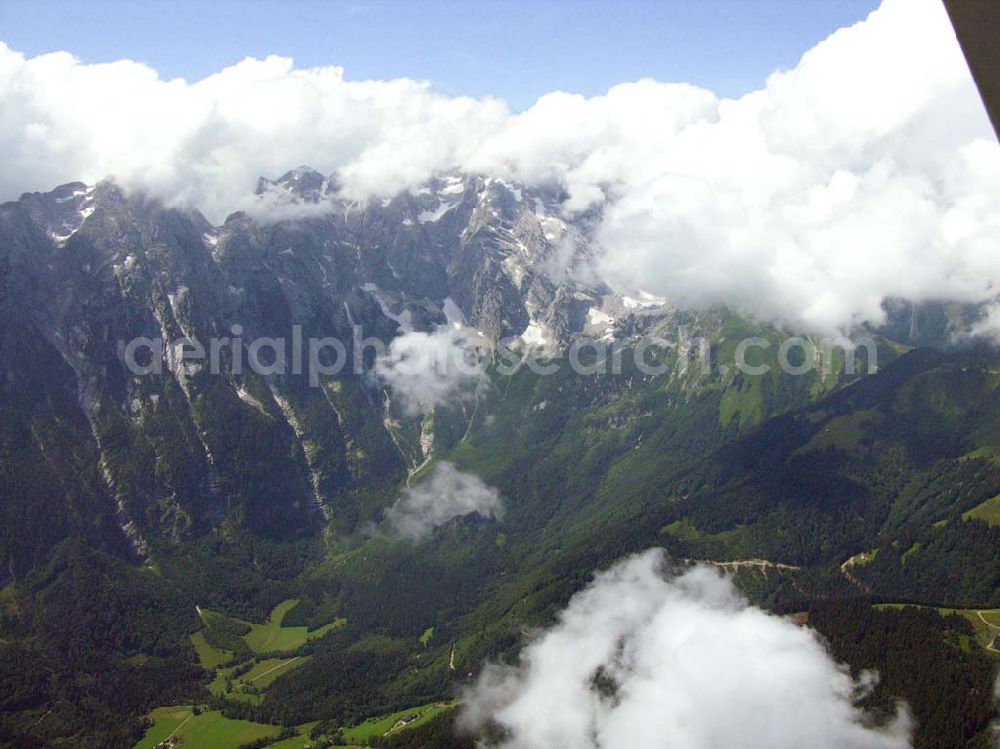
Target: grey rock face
{"points": [[85, 269]]}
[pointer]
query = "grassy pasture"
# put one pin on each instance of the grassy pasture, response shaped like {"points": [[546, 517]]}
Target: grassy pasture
{"points": [[986, 622], [374, 727], [271, 637], [988, 512], [209, 730], [209, 656]]}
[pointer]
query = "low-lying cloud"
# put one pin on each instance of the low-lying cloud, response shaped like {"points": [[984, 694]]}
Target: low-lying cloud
{"points": [[638, 660], [868, 171], [446, 494], [431, 369]]}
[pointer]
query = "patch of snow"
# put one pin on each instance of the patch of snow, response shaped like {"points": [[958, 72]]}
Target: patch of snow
{"points": [[404, 319], [552, 228], [308, 452], [407, 222], [514, 269], [647, 301], [596, 317], [453, 313], [515, 191], [179, 295], [83, 213], [429, 217], [534, 335], [245, 396], [126, 265], [355, 328], [76, 194]]}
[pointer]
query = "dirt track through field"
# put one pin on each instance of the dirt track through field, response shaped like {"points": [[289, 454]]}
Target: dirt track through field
{"points": [[274, 668]]}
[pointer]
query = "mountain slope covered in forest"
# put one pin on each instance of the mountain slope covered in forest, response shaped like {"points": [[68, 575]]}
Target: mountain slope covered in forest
{"points": [[233, 541]]}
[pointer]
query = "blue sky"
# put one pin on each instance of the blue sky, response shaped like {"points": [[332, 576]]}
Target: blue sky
{"points": [[514, 50]]}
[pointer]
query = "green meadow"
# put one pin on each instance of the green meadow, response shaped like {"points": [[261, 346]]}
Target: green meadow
{"points": [[209, 730], [375, 727], [986, 622], [209, 656], [259, 677], [988, 512], [271, 637]]}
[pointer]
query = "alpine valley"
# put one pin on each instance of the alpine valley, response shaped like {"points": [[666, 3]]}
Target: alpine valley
{"points": [[243, 559]]}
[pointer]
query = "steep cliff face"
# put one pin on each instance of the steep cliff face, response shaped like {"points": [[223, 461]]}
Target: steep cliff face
{"points": [[505, 254], [127, 459]]}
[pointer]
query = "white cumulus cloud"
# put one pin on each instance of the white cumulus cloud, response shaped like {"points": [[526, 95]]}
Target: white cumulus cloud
{"points": [[428, 369], [206, 143], [867, 171], [640, 661], [446, 494]]}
